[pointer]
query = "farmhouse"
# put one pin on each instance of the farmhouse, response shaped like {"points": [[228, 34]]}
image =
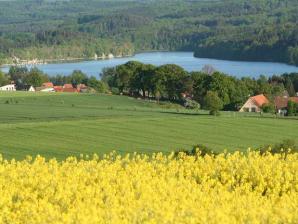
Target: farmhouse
{"points": [[281, 103], [254, 104], [68, 88], [10, 87], [58, 89], [48, 85], [82, 88]]}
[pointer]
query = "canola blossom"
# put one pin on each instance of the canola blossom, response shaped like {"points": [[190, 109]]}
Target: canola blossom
{"points": [[228, 188]]}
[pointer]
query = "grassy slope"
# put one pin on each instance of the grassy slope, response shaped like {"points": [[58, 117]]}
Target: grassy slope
{"points": [[69, 124]]}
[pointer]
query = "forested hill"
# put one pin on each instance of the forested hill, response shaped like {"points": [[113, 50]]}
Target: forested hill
{"points": [[229, 29]]}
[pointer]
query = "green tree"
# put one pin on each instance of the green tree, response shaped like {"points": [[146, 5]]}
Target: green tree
{"points": [[35, 78], [169, 80], [78, 77], [289, 86], [3, 79], [17, 75], [143, 78], [292, 108], [108, 75], [213, 102], [99, 86]]}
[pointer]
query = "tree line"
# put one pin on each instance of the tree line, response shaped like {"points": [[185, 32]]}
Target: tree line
{"points": [[172, 82]]}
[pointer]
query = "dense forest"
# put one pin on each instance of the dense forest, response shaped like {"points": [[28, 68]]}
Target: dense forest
{"points": [[228, 29]]}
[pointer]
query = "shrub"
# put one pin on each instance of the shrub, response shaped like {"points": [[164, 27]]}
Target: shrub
{"points": [[213, 102], [268, 108], [292, 108], [282, 147], [191, 104], [199, 149]]}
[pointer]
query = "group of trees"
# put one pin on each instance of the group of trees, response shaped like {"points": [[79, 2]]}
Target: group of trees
{"points": [[236, 29], [213, 91], [24, 77]]}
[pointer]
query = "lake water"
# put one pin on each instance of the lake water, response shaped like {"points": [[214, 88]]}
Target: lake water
{"points": [[184, 59]]}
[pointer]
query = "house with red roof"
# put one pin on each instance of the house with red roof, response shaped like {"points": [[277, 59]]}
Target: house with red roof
{"points": [[254, 104], [58, 89], [281, 103], [68, 88], [82, 88], [47, 85]]}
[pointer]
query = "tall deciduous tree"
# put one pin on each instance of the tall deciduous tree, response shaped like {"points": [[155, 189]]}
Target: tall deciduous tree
{"points": [[3, 79], [78, 77], [213, 102], [35, 78]]}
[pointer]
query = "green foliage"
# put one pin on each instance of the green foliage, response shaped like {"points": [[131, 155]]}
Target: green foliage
{"points": [[292, 108], [268, 108], [197, 150], [3, 79], [213, 102], [171, 82], [191, 104], [235, 29], [35, 78], [168, 81], [99, 86], [283, 147], [78, 77]]}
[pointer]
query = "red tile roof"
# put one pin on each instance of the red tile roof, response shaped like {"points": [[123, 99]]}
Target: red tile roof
{"points": [[294, 99], [68, 86], [282, 102], [58, 88], [260, 100], [48, 85]]}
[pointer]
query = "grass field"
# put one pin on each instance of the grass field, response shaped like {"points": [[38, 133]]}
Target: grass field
{"points": [[60, 125]]}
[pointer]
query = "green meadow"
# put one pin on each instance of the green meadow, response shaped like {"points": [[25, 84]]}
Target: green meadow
{"points": [[61, 125]]}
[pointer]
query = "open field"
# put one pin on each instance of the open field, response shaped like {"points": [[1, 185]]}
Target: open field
{"points": [[60, 125]]}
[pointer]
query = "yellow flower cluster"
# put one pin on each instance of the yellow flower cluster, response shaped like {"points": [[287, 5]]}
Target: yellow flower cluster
{"points": [[229, 188]]}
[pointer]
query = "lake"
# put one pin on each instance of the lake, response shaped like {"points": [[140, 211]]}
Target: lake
{"points": [[184, 59]]}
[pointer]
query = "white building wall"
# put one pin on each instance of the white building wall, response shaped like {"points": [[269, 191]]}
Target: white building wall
{"points": [[10, 87], [250, 106]]}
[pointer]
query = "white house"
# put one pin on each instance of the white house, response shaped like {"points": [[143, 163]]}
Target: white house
{"points": [[31, 89], [10, 87], [48, 90], [254, 104]]}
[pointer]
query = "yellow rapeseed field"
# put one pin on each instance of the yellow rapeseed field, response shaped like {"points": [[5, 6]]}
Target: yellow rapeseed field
{"points": [[229, 188]]}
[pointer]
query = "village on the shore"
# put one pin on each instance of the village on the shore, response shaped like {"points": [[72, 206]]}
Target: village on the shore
{"points": [[48, 87]]}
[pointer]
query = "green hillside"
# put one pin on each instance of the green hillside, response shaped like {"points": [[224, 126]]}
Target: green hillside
{"points": [[61, 125], [263, 30]]}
